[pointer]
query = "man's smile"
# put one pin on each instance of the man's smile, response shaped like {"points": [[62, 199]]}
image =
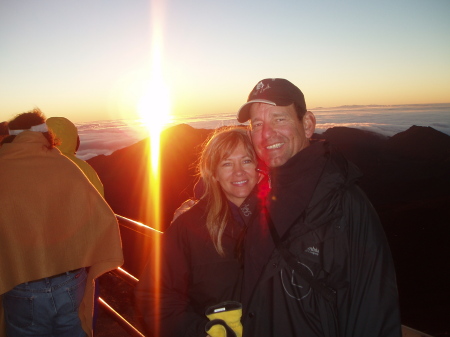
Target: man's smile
{"points": [[274, 146]]}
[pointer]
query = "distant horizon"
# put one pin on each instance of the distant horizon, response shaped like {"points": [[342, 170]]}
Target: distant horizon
{"points": [[181, 116], [378, 105], [106, 136], [348, 106]]}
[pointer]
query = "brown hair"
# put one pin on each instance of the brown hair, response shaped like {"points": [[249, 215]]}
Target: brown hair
{"points": [[26, 120], [219, 146], [300, 111]]}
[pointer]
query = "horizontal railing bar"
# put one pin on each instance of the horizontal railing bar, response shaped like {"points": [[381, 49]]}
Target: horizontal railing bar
{"points": [[127, 326], [409, 332], [137, 226], [126, 276]]}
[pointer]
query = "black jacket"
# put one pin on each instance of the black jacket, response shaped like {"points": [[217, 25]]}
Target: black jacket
{"points": [[193, 275], [331, 227]]}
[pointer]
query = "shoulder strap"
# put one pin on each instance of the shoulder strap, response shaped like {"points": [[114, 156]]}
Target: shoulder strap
{"points": [[328, 293]]}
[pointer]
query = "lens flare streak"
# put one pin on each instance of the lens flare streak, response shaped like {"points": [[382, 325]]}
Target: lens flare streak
{"points": [[154, 109]]}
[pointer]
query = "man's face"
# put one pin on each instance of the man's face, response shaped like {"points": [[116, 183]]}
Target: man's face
{"points": [[277, 133]]}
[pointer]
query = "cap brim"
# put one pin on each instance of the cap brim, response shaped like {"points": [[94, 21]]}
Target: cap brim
{"points": [[243, 114]]}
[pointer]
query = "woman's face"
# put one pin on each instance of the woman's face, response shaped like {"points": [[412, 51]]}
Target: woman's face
{"points": [[237, 175]]}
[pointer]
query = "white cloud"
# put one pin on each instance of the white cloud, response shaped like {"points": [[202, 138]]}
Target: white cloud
{"points": [[105, 137]]}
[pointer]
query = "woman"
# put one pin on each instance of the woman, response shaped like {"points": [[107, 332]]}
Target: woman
{"points": [[199, 263]]}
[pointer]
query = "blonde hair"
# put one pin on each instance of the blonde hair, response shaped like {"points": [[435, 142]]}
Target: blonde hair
{"points": [[219, 146]]}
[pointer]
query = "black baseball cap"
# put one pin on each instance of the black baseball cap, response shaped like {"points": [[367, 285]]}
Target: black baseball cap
{"points": [[274, 91]]}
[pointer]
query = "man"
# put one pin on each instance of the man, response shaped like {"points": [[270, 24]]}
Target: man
{"points": [[320, 264]]}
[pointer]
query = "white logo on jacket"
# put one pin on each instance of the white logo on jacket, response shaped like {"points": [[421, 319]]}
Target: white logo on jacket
{"points": [[312, 250]]}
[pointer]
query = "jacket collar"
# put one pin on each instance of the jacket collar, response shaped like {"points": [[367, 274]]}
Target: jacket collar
{"points": [[25, 144], [293, 185]]}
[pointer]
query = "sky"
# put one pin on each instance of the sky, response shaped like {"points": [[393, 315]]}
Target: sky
{"points": [[89, 60]]}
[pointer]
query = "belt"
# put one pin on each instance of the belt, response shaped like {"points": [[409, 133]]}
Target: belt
{"points": [[58, 275], [66, 273]]}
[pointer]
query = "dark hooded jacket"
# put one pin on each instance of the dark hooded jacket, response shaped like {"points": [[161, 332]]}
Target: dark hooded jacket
{"points": [[193, 275], [328, 223]]}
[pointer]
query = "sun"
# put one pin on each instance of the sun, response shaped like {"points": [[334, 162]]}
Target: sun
{"points": [[154, 110]]}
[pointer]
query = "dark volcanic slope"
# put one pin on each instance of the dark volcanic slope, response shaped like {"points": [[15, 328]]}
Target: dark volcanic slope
{"points": [[125, 172]]}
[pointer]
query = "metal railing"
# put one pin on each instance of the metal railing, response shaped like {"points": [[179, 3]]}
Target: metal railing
{"points": [[127, 326], [135, 237]]}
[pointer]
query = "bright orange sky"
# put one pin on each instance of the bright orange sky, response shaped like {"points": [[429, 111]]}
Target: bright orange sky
{"points": [[90, 60]]}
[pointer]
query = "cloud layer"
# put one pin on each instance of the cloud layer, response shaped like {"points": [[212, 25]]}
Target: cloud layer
{"points": [[105, 137]]}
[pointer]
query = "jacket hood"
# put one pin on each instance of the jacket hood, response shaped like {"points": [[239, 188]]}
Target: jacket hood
{"points": [[66, 132]]}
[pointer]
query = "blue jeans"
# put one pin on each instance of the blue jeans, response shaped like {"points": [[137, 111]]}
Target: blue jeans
{"points": [[46, 307]]}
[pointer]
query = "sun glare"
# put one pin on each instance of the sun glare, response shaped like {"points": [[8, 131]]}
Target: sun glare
{"points": [[155, 111]]}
